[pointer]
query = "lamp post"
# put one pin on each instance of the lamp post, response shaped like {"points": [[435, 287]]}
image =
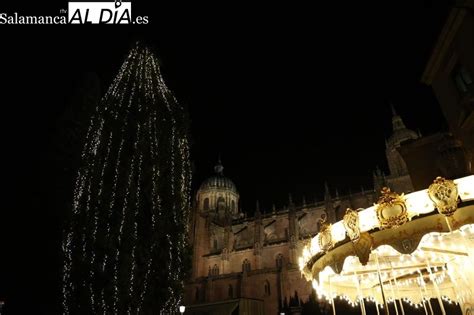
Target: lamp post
{"points": [[2, 303], [182, 308]]}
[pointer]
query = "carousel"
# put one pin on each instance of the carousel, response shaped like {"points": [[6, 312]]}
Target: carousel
{"points": [[409, 250]]}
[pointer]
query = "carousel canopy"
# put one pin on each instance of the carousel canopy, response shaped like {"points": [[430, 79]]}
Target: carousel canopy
{"points": [[412, 247]]}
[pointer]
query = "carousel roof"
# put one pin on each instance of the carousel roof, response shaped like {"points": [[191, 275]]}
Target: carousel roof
{"points": [[406, 247]]}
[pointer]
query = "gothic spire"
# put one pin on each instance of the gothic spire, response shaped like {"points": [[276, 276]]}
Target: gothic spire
{"points": [[327, 193], [397, 122], [291, 205], [394, 112], [378, 171], [328, 203]]}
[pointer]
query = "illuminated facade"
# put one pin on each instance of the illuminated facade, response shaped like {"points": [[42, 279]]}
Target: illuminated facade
{"points": [[235, 257]]}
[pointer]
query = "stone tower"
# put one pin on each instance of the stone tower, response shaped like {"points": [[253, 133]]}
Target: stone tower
{"points": [[400, 134], [216, 204], [399, 178]]}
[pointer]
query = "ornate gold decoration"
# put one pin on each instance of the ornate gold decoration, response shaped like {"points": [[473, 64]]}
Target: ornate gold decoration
{"points": [[351, 224], [363, 246], [444, 193], [391, 209], [325, 237]]}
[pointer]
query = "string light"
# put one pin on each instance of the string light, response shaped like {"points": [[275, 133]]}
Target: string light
{"points": [[121, 212], [447, 253]]}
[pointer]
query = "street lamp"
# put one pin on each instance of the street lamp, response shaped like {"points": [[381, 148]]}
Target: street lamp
{"points": [[181, 309], [2, 303]]}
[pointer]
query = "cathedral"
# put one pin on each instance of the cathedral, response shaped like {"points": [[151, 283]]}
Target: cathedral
{"points": [[248, 265]]}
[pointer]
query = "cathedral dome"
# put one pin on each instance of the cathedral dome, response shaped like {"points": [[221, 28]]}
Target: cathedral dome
{"points": [[218, 181]]}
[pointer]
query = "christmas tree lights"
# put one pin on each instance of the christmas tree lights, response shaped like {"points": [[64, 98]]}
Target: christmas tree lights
{"points": [[124, 247]]}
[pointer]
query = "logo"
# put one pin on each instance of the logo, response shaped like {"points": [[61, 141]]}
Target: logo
{"points": [[117, 12], [113, 12]]}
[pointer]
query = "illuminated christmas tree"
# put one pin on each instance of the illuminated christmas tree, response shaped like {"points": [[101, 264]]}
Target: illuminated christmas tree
{"points": [[125, 246]]}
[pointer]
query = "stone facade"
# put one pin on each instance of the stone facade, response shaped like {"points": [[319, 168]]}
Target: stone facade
{"points": [[239, 257]]}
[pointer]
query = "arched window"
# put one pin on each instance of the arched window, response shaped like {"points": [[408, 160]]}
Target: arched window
{"points": [[279, 261], [215, 244], [220, 203], [215, 270], [246, 266], [206, 204], [231, 291], [267, 288], [232, 205]]}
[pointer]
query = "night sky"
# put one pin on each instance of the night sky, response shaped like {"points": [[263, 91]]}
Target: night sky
{"points": [[289, 96]]}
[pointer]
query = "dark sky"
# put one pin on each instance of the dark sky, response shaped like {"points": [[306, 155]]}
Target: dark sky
{"points": [[289, 95]]}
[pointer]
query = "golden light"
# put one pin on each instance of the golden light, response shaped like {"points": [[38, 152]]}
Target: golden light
{"points": [[410, 248]]}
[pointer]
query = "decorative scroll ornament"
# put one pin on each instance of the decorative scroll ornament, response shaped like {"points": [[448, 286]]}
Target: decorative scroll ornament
{"points": [[325, 237], [444, 193], [391, 209], [351, 224]]}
